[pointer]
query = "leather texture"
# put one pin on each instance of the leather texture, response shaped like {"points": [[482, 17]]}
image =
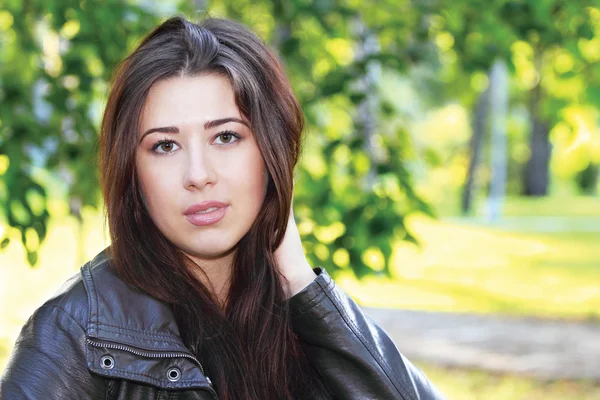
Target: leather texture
{"points": [[99, 339]]}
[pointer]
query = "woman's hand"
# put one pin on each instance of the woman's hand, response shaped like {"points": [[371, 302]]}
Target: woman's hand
{"points": [[292, 261]]}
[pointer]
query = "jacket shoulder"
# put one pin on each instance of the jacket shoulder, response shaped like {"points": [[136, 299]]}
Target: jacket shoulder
{"points": [[120, 313], [51, 350], [72, 297], [355, 356]]}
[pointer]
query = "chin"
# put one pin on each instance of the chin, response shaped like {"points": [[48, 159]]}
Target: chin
{"points": [[208, 251]]}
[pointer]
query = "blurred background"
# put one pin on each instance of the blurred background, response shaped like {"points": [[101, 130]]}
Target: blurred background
{"points": [[449, 180]]}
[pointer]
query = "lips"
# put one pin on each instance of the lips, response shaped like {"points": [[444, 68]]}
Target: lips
{"points": [[206, 213]]}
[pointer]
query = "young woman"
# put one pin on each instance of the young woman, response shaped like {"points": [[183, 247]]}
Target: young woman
{"points": [[205, 291]]}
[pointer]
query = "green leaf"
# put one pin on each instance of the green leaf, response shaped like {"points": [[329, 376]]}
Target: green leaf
{"points": [[32, 258]]}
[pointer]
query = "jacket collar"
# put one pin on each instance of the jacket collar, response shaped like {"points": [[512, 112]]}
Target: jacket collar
{"points": [[119, 314]]}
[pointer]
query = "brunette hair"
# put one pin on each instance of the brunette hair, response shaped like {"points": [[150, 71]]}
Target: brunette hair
{"points": [[247, 348]]}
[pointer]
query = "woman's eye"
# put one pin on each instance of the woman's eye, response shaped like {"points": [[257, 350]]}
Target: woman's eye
{"points": [[165, 146], [227, 137]]}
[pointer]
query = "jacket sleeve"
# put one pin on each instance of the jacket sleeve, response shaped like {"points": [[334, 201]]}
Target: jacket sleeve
{"points": [[49, 362], [355, 357]]}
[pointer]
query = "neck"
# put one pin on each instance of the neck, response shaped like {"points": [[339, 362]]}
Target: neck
{"points": [[215, 274]]}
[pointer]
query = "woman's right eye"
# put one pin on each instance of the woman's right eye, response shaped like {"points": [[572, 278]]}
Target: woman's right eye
{"points": [[165, 146]]}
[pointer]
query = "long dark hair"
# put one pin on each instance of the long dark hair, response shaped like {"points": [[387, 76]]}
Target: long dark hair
{"points": [[247, 348]]}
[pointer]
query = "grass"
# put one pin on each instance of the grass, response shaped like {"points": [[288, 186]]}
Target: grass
{"points": [[560, 205], [464, 384], [562, 202], [542, 260], [480, 269]]}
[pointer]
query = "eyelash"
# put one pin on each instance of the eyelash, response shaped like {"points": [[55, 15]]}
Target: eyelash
{"points": [[166, 140], [228, 132]]}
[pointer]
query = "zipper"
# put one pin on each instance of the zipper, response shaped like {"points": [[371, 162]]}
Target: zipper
{"points": [[145, 354]]}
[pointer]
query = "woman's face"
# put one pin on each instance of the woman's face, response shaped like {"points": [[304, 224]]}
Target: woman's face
{"points": [[199, 166]]}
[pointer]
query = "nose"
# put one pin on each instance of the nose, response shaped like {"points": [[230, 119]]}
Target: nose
{"points": [[200, 171]]}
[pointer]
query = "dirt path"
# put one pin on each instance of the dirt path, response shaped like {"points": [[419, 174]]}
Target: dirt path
{"points": [[542, 348]]}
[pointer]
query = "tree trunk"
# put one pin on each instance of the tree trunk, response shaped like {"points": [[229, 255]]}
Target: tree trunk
{"points": [[478, 127], [365, 120], [283, 28], [499, 114], [537, 170], [200, 6]]}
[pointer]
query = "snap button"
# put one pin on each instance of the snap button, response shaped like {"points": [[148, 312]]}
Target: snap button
{"points": [[107, 362], [174, 374]]}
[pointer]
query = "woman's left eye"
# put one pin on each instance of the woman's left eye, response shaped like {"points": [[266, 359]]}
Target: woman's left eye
{"points": [[227, 137]]}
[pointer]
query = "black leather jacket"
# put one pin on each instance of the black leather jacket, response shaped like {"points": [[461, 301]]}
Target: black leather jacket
{"points": [[98, 339]]}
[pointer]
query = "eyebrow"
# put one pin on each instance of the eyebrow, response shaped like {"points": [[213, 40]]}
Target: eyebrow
{"points": [[207, 125]]}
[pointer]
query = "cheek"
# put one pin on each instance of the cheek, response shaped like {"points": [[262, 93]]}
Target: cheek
{"points": [[154, 186], [258, 175], [249, 179]]}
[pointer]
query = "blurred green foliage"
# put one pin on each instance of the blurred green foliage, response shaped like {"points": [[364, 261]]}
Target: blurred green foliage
{"points": [[56, 57], [371, 156], [552, 48]]}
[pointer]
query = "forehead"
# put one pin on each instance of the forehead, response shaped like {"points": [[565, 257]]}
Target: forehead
{"points": [[189, 99]]}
